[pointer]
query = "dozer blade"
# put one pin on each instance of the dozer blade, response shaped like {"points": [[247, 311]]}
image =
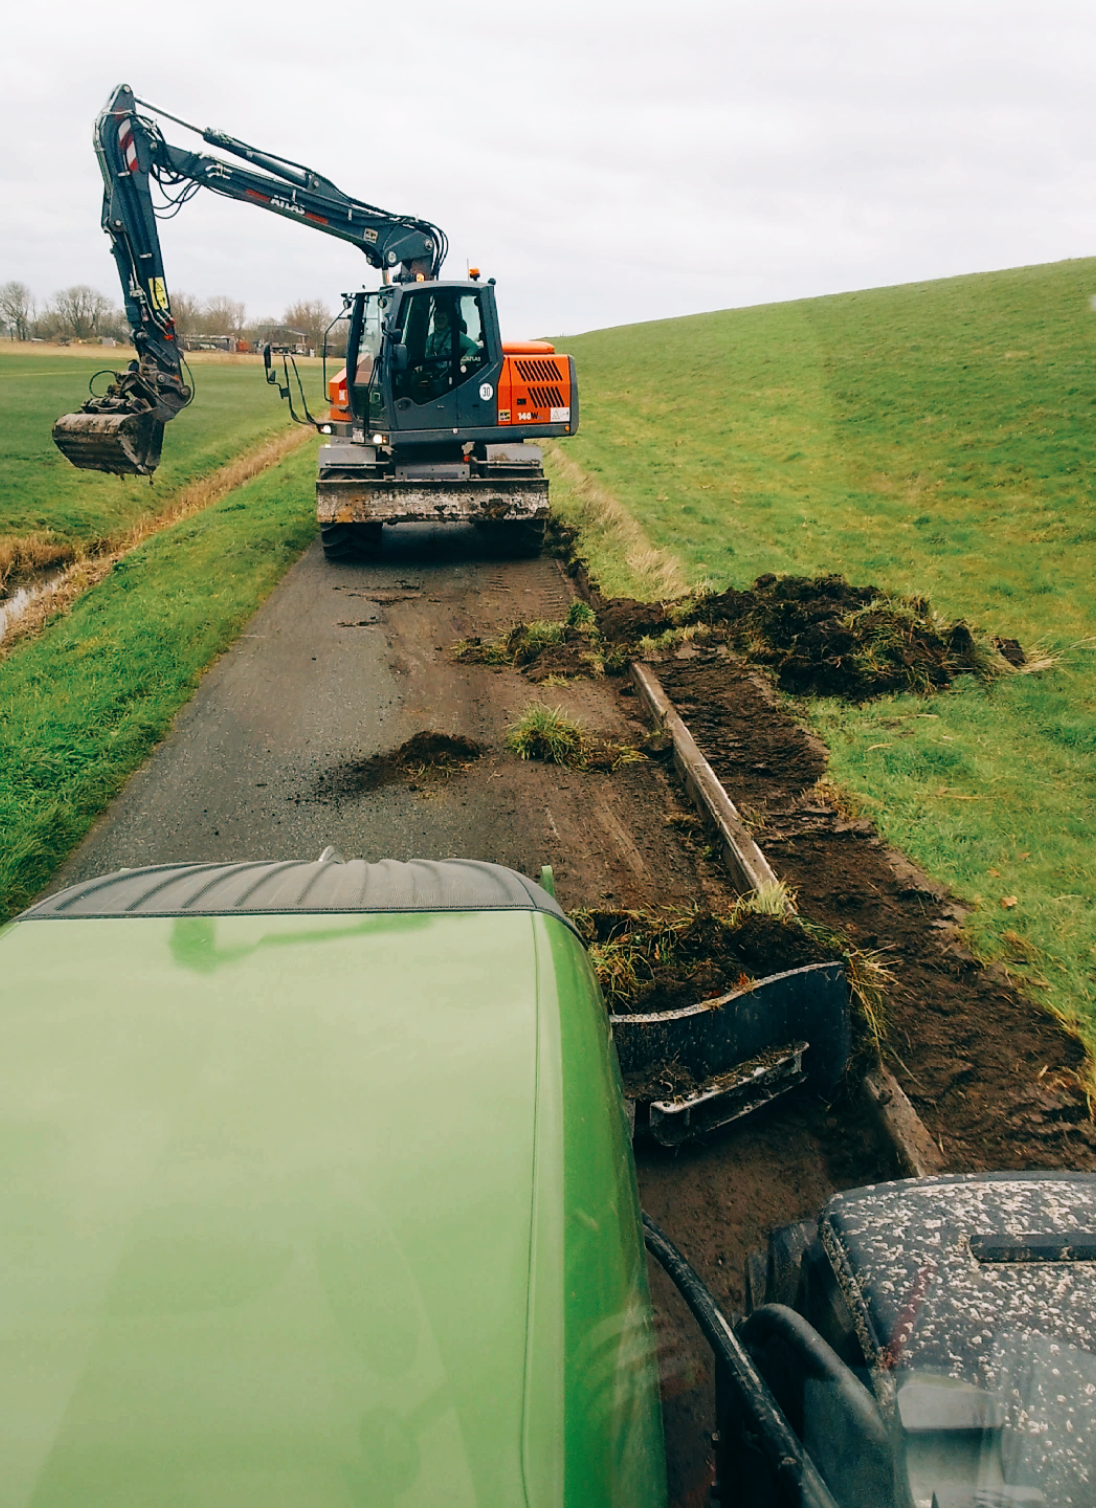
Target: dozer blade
{"points": [[126, 444]]}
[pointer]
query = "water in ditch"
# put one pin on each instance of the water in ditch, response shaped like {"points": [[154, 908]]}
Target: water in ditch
{"points": [[14, 608]]}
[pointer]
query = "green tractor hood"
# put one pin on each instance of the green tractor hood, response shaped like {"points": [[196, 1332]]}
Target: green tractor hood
{"points": [[318, 1194]]}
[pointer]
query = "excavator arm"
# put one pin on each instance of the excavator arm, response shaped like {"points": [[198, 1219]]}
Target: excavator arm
{"points": [[122, 430]]}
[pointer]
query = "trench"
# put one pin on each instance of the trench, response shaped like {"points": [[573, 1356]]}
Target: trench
{"points": [[19, 612]]}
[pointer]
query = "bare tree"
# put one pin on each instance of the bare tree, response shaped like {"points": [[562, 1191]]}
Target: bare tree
{"points": [[80, 312], [17, 308], [116, 324], [186, 312], [312, 317], [223, 316]]}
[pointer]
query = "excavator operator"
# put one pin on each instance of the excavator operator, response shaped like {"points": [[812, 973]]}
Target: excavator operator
{"points": [[432, 375], [439, 343]]}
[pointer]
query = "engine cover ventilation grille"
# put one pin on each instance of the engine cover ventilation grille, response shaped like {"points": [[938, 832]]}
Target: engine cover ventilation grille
{"points": [[538, 369], [546, 397]]}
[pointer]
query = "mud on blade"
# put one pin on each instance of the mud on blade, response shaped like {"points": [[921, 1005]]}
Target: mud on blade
{"points": [[125, 444]]}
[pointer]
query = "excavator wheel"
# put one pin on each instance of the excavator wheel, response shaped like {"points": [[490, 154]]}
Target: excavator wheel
{"points": [[351, 541]]}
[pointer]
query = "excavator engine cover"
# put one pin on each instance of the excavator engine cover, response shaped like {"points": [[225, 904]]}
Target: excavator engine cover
{"points": [[125, 444]]}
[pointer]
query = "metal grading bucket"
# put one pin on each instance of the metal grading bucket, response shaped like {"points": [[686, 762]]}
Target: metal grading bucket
{"points": [[741, 1050], [125, 444]]}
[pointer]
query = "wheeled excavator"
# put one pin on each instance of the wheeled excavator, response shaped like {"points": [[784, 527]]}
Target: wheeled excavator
{"points": [[433, 417]]}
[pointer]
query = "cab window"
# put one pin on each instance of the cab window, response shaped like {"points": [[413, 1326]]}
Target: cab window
{"points": [[443, 334], [472, 353], [369, 345]]}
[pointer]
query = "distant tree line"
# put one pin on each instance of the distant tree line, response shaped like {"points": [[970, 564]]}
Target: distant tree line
{"points": [[83, 313], [76, 313]]}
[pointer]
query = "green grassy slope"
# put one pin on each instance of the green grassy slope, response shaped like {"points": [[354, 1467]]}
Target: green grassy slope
{"points": [[43, 495], [935, 439]]}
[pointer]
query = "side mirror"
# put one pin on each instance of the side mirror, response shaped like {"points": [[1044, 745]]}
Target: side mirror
{"points": [[399, 358], [268, 365]]}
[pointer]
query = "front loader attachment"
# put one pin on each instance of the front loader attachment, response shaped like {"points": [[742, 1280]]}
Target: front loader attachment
{"points": [[125, 444], [737, 1052]]}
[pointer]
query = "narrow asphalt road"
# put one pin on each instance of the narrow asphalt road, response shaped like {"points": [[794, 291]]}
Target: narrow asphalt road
{"points": [[324, 676]]}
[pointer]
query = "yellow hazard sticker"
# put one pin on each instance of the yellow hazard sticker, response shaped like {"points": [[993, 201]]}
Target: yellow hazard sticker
{"points": [[158, 293]]}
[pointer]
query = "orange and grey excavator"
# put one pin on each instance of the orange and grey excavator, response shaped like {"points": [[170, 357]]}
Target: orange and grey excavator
{"points": [[432, 417]]}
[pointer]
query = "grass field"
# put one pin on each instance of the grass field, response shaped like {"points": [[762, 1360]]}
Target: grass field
{"points": [[82, 704], [43, 497], [936, 439]]}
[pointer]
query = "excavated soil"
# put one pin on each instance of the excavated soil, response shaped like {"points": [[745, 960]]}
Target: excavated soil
{"points": [[700, 959], [818, 636], [990, 1073], [424, 755]]}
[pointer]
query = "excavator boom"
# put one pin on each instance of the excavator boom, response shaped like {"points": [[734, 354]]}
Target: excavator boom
{"points": [[121, 431]]}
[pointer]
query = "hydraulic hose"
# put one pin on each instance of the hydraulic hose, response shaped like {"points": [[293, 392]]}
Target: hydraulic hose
{"points": [[820, 1361], [793, 1469]]}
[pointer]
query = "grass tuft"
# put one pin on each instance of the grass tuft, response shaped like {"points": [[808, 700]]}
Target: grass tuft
{"points": [[617, 965], [548, 734], [774, 899], [869, 982]]}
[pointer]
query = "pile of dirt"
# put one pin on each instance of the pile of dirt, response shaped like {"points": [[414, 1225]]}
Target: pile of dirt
{"points": [[651, 961], [991, 1074], [817, 636], [424, 755]]}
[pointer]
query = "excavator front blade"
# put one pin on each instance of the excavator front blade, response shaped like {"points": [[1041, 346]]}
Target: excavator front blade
{"points": [[126, 444]]}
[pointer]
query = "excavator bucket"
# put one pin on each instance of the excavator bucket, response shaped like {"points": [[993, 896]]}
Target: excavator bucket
{"points": [[125, 444]]}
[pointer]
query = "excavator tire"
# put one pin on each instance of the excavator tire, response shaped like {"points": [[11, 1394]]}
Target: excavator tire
{"points": [[351, 541], [124, 444]]}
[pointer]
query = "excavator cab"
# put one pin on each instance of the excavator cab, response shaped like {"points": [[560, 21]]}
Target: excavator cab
{"points": [[425, 358]]}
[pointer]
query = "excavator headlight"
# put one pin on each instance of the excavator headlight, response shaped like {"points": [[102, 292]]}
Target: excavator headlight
{"points": [[380, 439]]}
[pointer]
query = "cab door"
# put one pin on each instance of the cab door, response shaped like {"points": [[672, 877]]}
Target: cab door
{"points": [[479, 360], [447, 381]]}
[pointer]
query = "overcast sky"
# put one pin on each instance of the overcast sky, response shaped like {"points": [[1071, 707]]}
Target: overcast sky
{"points": [[606, 162]]}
